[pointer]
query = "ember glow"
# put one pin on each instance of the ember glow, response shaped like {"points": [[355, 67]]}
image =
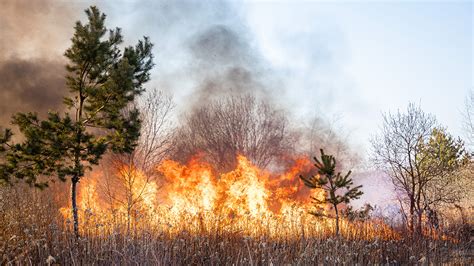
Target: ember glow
{"points": [[194, 198]]}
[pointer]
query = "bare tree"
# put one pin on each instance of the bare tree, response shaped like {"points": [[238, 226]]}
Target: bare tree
{"points": [[156, 132], [422, 161], [129, 182], [234, 125], [397, 152]]}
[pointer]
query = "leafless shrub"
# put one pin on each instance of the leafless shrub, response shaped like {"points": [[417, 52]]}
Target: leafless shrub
{"points": [[396, 151], [128, 176], [230, 126]]}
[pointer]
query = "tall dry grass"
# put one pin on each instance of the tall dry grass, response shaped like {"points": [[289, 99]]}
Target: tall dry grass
{"points": [[32, 231]]}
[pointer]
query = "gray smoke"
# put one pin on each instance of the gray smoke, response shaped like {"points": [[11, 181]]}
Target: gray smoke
{"points": [[34, 35], [203, 50], [34, 85]]}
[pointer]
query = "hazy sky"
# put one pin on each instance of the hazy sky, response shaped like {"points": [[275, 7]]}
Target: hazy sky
{"points": [[356, 60], [366, 58], [345, 61]]}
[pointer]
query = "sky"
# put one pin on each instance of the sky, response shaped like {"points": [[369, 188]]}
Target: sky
{"points": [[377, 57], [345, 61]]}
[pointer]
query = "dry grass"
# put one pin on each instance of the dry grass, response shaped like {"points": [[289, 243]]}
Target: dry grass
{"points": [[32, 231]]}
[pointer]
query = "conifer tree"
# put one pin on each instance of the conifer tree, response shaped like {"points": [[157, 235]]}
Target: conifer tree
{"points": [[338, 188], [102, 81]]}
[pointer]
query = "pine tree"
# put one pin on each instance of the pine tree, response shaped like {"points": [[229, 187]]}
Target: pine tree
{"points": [[333, 184], [440, 159], [102, 81]]}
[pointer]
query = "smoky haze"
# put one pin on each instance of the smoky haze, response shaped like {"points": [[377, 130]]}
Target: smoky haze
{"points": [[225, 63], [203, 51], [207, 43], [34, 35], [34, 85]]}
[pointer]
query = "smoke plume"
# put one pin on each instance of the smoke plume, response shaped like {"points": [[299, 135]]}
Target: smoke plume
{"points": [[34, 85], [204, 51], [34, 35]]}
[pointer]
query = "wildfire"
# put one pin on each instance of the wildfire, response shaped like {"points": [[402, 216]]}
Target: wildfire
{"points": [[246, 191], [194, 197]]}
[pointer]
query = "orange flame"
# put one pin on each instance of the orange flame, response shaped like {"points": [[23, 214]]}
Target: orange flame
{"points": [[244, 191], [194, 197]]}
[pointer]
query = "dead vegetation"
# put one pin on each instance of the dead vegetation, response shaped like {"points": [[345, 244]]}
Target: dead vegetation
{"points": [[33, 231]]}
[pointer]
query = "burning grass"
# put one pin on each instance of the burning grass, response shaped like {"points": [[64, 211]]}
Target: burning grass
{"points": [[146, 244], [194, 215]]}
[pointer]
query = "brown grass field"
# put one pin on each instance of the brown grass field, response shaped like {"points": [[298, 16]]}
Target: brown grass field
{"points": [[34, 232]]}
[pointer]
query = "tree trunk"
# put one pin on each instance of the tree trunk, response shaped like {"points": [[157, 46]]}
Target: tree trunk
{"points": [[74, 206], [129, 214], [412, 216], [419, 225], [337, 220]]}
